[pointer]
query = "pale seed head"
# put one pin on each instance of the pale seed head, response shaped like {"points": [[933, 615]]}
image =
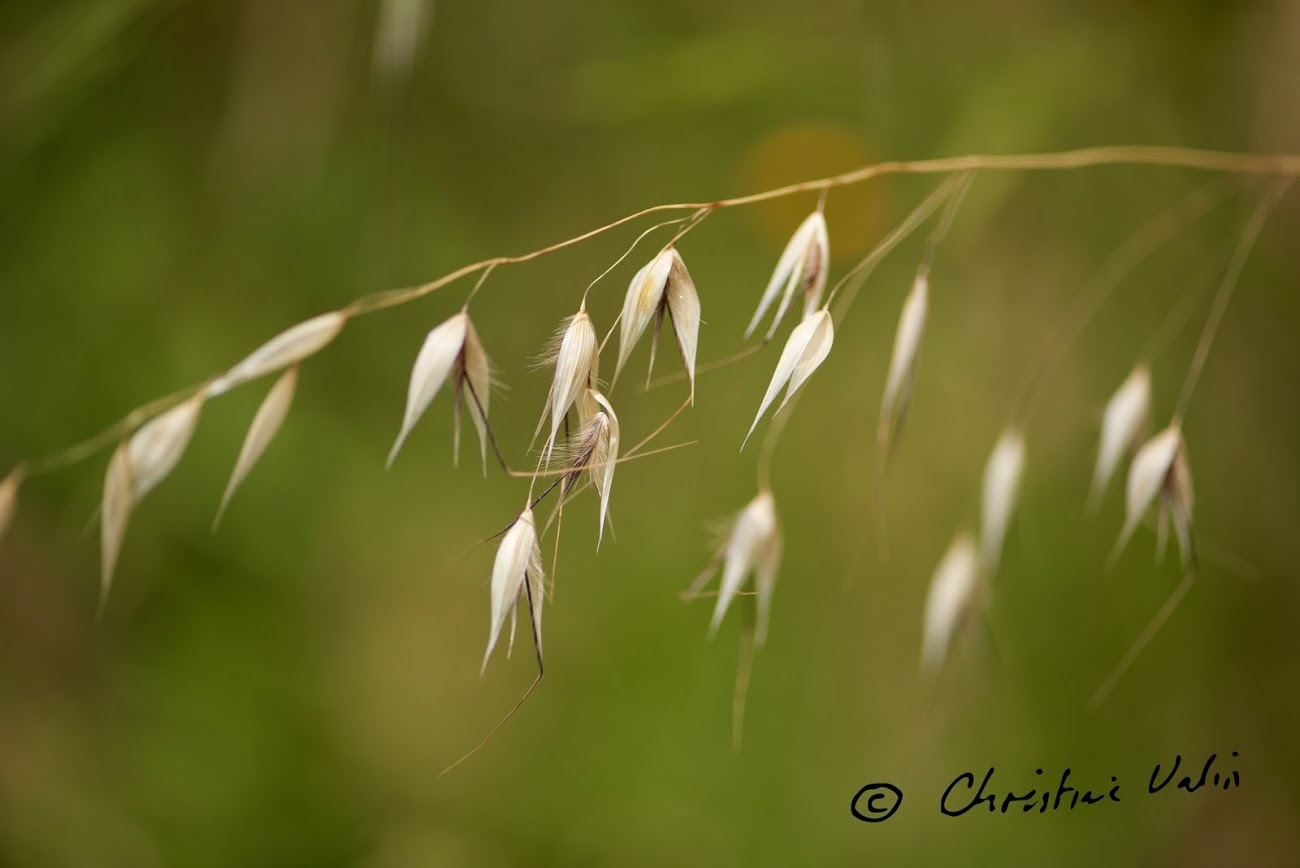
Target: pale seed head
{"points": [[398, 30], [1176, 500], [285, 349], [266, 424], [803, 263], [1122, 424], [154, 450], [752, 546], [950, 600], [662, 286], [1000, 490], [9, 499], [136, 468], [902, 363], [452, 350], [518, 558], [474, 374], [115, 512], [435, 362], [683, 304], [1149, 474], [644, 296], [576, 364], [604, 459], [806, 348]]}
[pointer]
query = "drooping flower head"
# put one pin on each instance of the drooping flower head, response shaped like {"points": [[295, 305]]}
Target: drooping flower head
{"points": [[662, 287]]}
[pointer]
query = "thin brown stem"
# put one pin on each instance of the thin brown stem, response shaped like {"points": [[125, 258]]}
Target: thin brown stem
{"points": [[1104, 281], [946, 219], [537, 646], [669, 379], [1230, 278], [487, 426], [701, 595], [1143, 640], [1280, 165], [744, 666], [857, 276], [596, 465]]}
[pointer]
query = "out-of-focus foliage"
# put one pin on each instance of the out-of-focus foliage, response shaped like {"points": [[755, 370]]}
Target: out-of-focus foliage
{"points": [[181, 180]]}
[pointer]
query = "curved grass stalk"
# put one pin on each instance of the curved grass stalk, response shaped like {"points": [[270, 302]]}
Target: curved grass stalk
{"points": [[1277, 165]]}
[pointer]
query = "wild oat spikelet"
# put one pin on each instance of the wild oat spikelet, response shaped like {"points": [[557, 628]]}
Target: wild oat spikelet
{"points": [[518, 560], [1122, 425], [752, 545], [806, 348], [950, 600], [576, 356], [662, 286], [398, 31], [450, 350], [803, 264], [902, 363], [1176, 505], [1000, 490], [266, 424], [285, 349], [9, 499], [1160, 468], [595, 451], [136, 468], [114, 513]]}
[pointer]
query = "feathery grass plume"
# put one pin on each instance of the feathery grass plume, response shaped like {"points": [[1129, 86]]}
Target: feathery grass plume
{"points": [[663, 285], [752, 544], [803, 263], [266, 424], [9, 499], [902, 363], [518, 560], [1122, 424], [576, 356], [1000, 490], [136, 468], [285, 349], [1160, 468], [806, 348], [450, 350], [950, 600]]}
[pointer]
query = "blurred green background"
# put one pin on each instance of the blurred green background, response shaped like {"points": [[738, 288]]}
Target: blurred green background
{"points": [[181, 180]]}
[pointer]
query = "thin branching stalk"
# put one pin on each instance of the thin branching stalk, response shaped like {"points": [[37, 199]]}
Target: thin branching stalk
{"points": [[1143, 639], [1230, 278], [1095, 292], [1278, 165], [537, 679]]}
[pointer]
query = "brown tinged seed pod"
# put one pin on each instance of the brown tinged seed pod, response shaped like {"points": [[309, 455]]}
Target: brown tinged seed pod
{"points": [[518, 560], [662, 286], [451, 350]]}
